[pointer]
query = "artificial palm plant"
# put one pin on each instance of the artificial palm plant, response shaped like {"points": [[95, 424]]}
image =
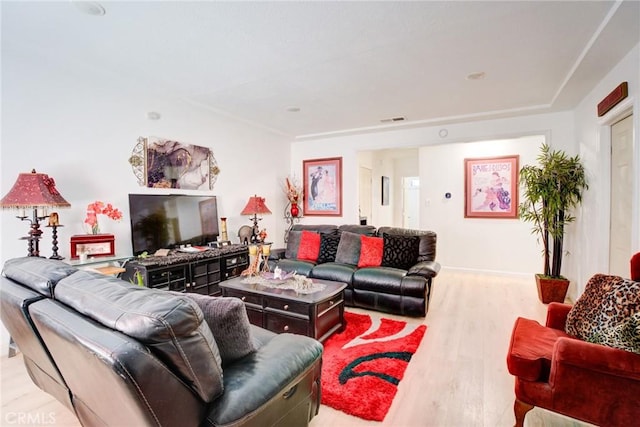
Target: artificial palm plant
{"points": [[551, 190]]}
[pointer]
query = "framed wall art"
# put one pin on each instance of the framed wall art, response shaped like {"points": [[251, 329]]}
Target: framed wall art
{"points": [[385, 190], [322, 187], [93, 245], [162, 163], [491, 187]]}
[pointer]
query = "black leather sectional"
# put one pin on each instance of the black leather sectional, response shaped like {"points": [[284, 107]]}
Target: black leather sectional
{"points": [[117, 354], [403, 290]]}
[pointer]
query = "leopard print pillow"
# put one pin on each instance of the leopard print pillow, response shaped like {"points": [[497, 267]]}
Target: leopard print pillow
{"points": [[625, 336], [607, 301]]}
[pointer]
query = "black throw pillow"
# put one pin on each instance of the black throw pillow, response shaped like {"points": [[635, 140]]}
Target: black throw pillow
{"points": [[328, 247], [400, 251]]}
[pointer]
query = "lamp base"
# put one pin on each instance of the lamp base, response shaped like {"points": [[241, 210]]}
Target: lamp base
{"points": [[255, 232], [33, 245]]}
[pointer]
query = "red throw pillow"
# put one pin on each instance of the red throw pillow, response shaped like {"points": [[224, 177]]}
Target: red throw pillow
{"points": [[309, 248], [371, 249]]}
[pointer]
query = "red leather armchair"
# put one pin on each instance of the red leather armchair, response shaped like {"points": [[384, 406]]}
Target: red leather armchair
{"points": [[635, 267], [554, 371]]}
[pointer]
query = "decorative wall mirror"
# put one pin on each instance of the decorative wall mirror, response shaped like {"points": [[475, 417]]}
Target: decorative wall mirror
{"points": [[162, 163]]}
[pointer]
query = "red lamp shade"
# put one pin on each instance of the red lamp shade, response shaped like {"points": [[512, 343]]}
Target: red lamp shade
{"points": [[255, 206], [33, 190]]}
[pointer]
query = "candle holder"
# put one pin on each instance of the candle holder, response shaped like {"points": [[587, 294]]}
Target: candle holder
{"points": [[265, 251], [223, 229], [258, 259], [54, 224]]}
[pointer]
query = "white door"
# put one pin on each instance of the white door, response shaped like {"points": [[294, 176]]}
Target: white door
{"points": [[364, 195], [411, 202], [621, 197]]}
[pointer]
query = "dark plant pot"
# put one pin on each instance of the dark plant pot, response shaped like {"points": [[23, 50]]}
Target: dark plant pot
{"points": [[551, 290]]}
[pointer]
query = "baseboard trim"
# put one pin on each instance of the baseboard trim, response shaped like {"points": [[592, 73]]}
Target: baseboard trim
{"points": [[492, 272]]}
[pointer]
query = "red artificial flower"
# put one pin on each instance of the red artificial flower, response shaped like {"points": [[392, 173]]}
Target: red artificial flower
{"points": [[96, 208]]}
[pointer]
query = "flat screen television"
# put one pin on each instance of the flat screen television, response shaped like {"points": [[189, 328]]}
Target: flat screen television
{"points": [[167, 221]]}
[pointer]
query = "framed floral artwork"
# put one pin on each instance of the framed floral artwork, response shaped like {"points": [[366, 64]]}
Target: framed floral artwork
{"points": [[92, 245], [322, 187], [491, 187]]}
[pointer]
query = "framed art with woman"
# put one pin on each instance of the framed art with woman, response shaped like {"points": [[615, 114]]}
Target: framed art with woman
{"points": [[322, 187]]}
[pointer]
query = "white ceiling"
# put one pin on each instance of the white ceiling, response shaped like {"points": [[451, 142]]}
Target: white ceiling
{"points": [[346, 65]]}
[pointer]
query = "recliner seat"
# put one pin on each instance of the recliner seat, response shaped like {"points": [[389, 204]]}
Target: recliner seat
{"points": [[87, 337]]}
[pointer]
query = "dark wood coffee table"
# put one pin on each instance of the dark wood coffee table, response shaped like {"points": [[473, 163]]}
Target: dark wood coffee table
{"points": [[317, 315]]}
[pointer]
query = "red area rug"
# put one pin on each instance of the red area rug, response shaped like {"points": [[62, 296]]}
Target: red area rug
{"points": [[362, 366]]}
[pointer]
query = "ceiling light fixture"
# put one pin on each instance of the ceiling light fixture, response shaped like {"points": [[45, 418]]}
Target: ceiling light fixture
{"points": [[293, 109], [92, 8], [479, 75]]}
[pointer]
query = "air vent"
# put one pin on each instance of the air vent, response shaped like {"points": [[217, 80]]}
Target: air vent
{"points": [[394, 119]]}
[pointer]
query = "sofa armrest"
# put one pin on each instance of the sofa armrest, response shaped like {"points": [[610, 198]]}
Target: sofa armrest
{"points": [[557, 315], [597, 358], [426, 269], [251, 382], [277, 254]]}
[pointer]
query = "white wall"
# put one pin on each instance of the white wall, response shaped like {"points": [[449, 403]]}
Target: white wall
{"points": [[73, 124], [592, 134], [81, 131], [441, 170], [501, 245]]}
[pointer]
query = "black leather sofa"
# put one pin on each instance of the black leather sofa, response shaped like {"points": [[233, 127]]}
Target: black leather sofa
{"points": [[117, 354], [403, 290]]}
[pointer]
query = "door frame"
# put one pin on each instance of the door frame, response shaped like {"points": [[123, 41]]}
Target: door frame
{"points": [[619, 112]]}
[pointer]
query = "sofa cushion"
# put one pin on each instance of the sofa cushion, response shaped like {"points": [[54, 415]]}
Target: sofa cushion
{"points": [[400, 251], [296, 265], [606, 302], [334, 271], [39, 274], [367, 230], [427, 251], [328, 247], [370, 251], [388, 280], [309, 246], [171, 326], [348, 248], [625, 335], [531, 349], [227, 318], [318, 228], [293, 243]]}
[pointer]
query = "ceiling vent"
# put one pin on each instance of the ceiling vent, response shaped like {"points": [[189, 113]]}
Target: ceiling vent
{"points": [[394, 119]]}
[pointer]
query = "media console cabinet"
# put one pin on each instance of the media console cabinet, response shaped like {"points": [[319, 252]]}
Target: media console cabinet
{"points": [[199, 272]]}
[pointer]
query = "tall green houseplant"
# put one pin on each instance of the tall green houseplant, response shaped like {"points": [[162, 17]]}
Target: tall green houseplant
{"points": [[551, 190]]}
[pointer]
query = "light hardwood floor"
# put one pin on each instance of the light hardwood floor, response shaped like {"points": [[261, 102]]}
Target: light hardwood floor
{"points": [[457, 378]]}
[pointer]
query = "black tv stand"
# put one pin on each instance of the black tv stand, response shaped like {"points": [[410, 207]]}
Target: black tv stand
{"points": [[199, 272]]}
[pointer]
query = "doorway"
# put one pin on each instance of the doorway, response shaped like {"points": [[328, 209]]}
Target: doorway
{"points": [[364, 196], [620, 227], [411, 202]]}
